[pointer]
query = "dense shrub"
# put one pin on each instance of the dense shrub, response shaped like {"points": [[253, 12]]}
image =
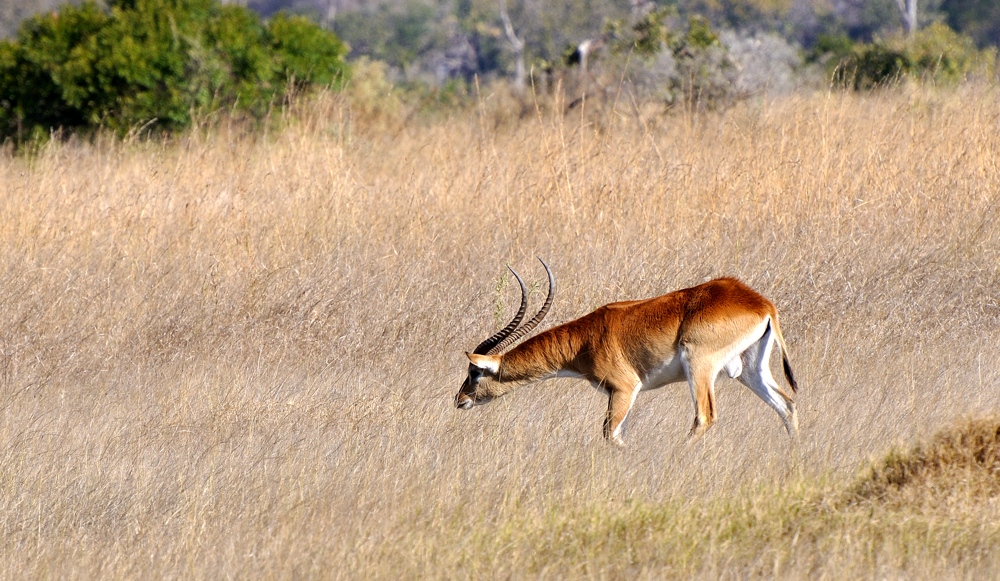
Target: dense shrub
{"points": [[936, 53], [675, 60], [665, 57], [156, 63], [942, 53], [877, 64]]}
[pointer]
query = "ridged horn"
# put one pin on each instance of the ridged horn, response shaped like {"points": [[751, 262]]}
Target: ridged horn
{"points": [[488, 345], [530, 325]]}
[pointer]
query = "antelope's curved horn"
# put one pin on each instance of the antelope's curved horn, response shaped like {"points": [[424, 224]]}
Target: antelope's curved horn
{"points": [[530, 325], [488, 345]]}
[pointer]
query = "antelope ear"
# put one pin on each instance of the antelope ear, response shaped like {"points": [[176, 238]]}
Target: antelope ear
{"points": [[488, 363]]}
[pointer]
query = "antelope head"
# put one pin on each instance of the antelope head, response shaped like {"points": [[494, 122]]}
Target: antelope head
{"points": [[485, 381]]}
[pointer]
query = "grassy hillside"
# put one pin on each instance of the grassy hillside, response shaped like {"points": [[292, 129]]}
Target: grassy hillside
{"points": [[236, 356]]}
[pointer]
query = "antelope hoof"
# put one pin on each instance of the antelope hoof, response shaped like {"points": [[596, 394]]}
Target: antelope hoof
{"points": [[697, 429], [792, 424]]}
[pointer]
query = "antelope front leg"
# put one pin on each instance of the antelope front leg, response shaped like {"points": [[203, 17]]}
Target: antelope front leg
{"points": [[620, 401]]}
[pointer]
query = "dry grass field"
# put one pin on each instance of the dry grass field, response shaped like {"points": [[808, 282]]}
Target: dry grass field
{"points": [[235, 356]]}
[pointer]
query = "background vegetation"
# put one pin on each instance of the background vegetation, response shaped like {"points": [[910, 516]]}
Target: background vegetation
{"points": [[761, 41], [936, 53], [234, 355], [159, 65], [155, 64]]}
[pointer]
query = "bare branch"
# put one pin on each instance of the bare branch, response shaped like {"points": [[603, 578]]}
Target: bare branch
{"points": [[908, 12], [516, 43]]}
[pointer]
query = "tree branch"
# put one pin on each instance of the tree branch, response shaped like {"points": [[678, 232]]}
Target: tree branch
{"points": [[517, 44], [508, 28]]}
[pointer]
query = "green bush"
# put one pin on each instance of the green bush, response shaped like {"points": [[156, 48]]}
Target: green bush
{"points": [[935, 53], [156, 63], [304, 53], [945, 55], [878, 65]]}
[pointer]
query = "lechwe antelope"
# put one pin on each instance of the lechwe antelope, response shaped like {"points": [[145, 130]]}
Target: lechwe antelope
{"points": [[628, 347]]}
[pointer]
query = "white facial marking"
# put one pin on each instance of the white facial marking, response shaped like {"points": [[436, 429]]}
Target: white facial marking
{"points": [[489, 364]]}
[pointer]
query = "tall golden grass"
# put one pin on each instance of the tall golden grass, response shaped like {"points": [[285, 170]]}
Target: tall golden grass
{"points": [[234, 355]]}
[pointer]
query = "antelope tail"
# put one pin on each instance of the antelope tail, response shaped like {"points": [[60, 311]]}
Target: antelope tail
{"points": [[784, 355]]}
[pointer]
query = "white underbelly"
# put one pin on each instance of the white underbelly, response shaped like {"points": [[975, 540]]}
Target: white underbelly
{"points": [[670, 371]]}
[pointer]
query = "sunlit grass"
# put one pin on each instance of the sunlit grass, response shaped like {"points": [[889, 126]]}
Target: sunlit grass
{"points": [[235, 355]]}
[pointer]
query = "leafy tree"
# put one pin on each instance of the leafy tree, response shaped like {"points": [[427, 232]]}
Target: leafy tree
{"points": [[304, 53], [155, 62], [38, 87]]}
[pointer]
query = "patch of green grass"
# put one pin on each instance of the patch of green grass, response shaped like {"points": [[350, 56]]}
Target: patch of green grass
{"points": [[793, 529]]}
